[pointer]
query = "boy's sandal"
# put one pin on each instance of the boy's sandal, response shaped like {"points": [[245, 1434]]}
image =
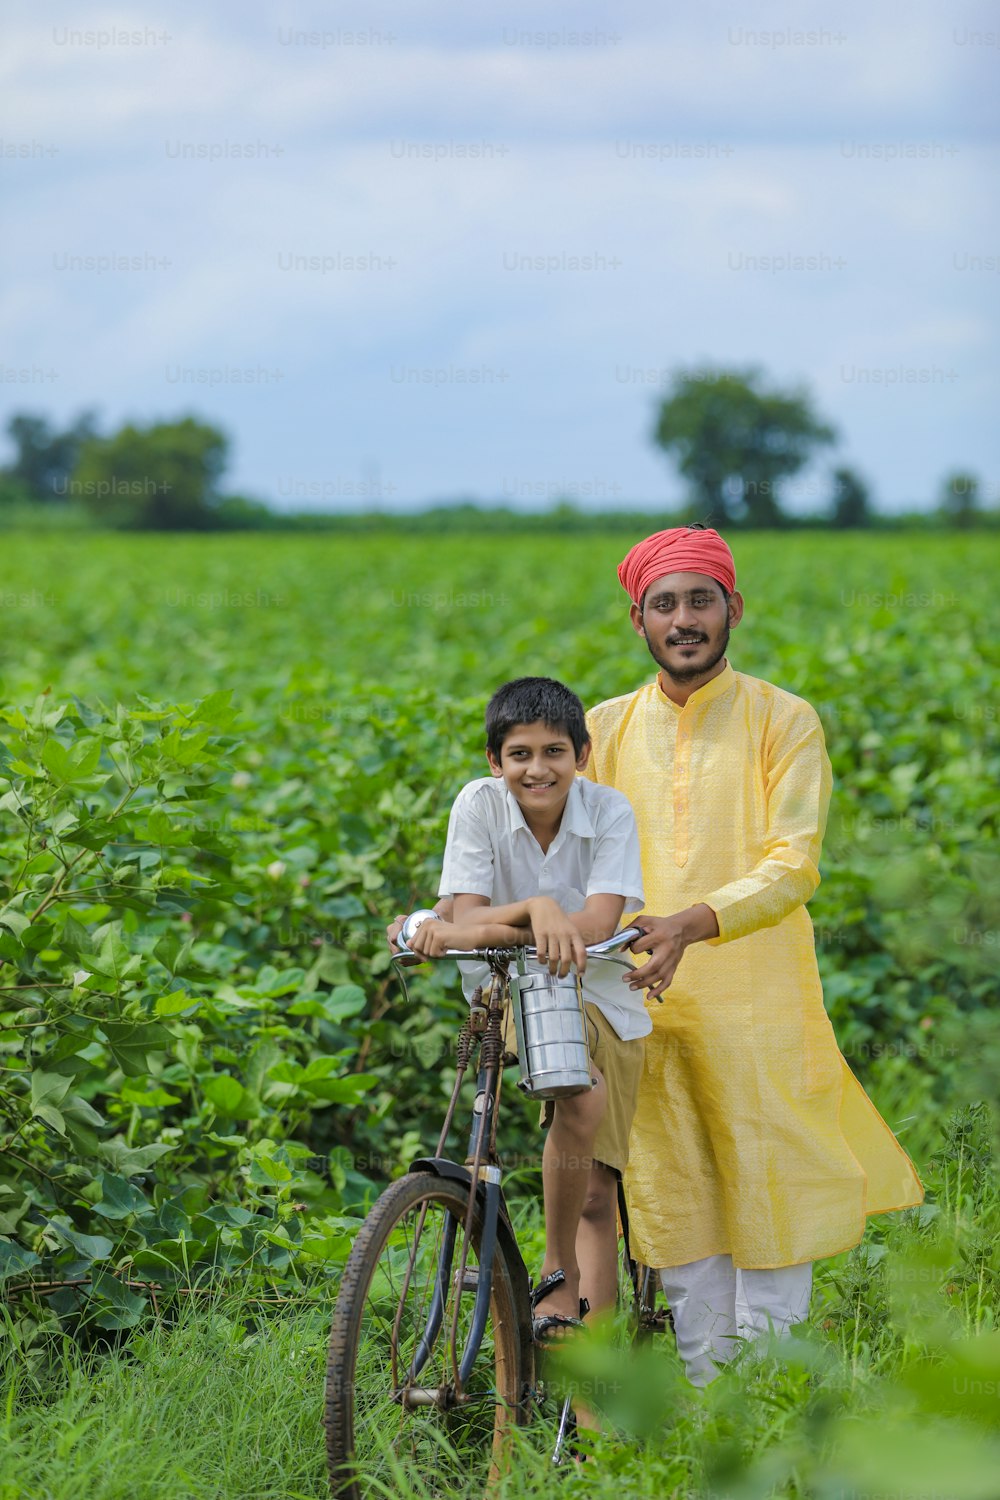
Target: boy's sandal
{"points": [[542, 1327]]}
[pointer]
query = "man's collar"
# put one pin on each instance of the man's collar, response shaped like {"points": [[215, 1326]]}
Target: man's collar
{"points": [[714, 688]]}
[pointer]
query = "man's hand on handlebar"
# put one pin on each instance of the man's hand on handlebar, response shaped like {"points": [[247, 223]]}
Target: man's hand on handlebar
{"points": [[666, 940]]}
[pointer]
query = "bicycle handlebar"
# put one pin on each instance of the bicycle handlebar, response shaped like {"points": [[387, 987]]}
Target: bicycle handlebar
{"points": [[609, 949]]}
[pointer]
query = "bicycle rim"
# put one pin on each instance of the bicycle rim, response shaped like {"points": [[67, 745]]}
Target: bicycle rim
{"points": [[378, 1439]]}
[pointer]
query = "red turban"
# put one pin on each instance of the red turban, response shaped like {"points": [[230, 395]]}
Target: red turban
{"points": [[679, 550]]}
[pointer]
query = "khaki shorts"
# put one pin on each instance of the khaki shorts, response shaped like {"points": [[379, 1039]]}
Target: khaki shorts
{"points": [[620, 1063]]}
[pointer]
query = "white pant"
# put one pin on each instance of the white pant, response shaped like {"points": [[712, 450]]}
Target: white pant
{"points": [[713, 1302]]}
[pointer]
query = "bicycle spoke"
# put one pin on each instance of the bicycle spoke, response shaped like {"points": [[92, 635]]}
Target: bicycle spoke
{"points": [[389, 1415]]}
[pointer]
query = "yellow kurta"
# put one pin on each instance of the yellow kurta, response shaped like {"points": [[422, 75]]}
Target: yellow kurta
{"points": [[752, 1136]]}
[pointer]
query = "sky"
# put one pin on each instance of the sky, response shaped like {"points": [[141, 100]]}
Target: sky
{"points": [[413, 252]]}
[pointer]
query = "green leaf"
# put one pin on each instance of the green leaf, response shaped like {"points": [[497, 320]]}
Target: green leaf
{"points": [[15, 1260], [150, 1097], [131, 1159], [51, 1116], [345, 1000], [12, 1213], [317, 1080], [265, 1171], [172, 952], [308, 1008], [55, 759], [69, 1045], [216, 709], [161, 830], [117, 1306], [348, 1090], [114, 961], [119, 1198], [229, 1213], [226, 1095], [326, 1244], [48, 1089], [74, 766], [74, 938], [91, 1246], [130, 1043], [38, 936], [345, 906], [79, 1112], [14, 921], [271, 982], [180, 1253], [176, 1003]]}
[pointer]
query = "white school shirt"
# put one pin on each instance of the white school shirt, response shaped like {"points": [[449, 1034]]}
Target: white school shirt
{"points": [[492, 852]]}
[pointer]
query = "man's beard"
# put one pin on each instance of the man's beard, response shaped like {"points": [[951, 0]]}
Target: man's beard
{"points": [[689, 674]]}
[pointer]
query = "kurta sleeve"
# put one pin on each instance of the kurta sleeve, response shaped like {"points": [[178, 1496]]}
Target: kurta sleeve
{"points": [[797, 787]]}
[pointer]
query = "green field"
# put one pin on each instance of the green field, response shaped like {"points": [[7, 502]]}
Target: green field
{"points": [[224, 763]]}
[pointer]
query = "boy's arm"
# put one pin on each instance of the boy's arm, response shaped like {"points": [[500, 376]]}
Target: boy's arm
{"points": [[470, 927], [477, 924], [444, 908], [599, 918]]}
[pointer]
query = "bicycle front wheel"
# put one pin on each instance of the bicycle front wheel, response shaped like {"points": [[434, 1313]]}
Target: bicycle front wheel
{"points": [[390, 1394]]}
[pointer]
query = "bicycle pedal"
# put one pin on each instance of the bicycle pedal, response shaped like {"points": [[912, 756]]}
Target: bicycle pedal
{"points": [[470, 1280], [657, 1322]]}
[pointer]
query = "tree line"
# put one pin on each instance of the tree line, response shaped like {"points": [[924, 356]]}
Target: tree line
{"points": [[737, 442]]}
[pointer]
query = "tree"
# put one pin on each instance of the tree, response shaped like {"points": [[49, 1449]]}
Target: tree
{"points": [[960, 499], [733, 439], [851, 500], [159, 478], [46, 458]]}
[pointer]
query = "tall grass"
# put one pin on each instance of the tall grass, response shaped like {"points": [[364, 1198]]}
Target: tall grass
{"points": [[213, 1402], [892, 1389]]}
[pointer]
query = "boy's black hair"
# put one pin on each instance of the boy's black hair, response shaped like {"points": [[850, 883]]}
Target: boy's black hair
{"points": [[534, 700]]}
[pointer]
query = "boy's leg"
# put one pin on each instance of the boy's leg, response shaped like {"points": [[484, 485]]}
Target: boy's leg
{"points": [[597, 1240], [597, 1255], [567, 1162]]}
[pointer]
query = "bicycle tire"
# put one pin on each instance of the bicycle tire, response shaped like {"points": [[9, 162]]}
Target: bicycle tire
{"points": [[363, 1460]]}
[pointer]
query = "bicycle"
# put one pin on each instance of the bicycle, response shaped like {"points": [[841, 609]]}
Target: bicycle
{"points": [[431, 1348]]}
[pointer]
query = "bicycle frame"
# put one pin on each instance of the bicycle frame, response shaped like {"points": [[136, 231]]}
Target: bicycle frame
{"points": [[482, 1172], [481, 1168]]}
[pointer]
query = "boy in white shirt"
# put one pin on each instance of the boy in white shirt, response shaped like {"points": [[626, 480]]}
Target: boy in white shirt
{"points": [[538, 855]]}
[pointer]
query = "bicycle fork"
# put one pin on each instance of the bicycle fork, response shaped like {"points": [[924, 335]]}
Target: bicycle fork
{"points": [[442, 1282], [486, 1178]]}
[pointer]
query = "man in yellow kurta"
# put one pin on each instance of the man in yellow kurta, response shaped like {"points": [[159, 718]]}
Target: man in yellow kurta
{"points": [[754, 1151]]}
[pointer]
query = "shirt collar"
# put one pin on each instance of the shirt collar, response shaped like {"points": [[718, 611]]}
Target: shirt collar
{"points": [[707, 693], [575, 818]]}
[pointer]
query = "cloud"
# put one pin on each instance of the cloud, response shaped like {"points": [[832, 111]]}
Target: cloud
{"points": [[707, 187]]}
